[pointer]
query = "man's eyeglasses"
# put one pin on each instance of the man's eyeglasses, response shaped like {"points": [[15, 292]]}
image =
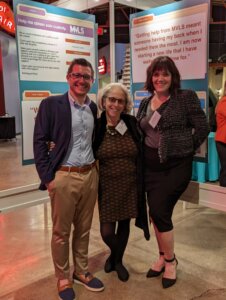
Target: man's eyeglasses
{"points": [[114, 100], [86, 77]]}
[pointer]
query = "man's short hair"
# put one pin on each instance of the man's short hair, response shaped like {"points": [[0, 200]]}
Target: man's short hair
{"points": [[82, 62]]}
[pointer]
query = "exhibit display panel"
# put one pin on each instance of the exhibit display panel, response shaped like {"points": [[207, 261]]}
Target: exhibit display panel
{"points": [[48, 39], [178, 30]]}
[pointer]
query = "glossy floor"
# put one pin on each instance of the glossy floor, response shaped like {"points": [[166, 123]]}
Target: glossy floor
{"points": [[26, 270]]}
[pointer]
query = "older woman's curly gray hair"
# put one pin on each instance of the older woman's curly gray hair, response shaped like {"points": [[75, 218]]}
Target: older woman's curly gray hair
{"points": [[103, 93]]}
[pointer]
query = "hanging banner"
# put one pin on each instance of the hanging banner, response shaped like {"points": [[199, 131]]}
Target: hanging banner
{"points": [[48, 39], [180, 31]]}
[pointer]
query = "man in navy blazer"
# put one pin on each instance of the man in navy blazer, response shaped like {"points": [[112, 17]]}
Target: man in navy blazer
{"points": [[69, 172]]}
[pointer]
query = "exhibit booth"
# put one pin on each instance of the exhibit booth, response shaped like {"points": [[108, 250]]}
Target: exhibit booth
{"points": [[112, 62]]}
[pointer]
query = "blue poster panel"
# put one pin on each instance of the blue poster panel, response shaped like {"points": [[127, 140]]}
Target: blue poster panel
{"points": [[48, 39], [178, 30]]}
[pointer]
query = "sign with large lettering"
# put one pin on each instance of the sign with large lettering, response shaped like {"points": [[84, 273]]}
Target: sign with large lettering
{"points": [[6, 18]]}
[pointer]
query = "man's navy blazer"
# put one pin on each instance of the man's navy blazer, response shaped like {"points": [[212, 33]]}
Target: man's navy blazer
{"points": [[53, 123]]}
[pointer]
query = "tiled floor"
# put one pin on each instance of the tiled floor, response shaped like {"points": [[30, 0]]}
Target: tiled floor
{"points": [[26, 270]]}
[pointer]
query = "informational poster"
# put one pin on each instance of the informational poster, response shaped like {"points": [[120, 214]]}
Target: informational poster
{"points": [[48, 39], [181, 36], [180, 31]]}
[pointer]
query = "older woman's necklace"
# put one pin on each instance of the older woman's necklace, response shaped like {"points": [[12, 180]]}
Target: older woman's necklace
{"points": [[111, 130], [111, 125]]}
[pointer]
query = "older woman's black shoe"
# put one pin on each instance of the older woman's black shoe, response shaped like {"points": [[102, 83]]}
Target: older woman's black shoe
{"points": [[123, 274], [109, 265]]}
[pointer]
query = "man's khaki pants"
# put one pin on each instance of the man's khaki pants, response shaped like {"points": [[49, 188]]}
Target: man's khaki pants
{"points": [[72, 200]]}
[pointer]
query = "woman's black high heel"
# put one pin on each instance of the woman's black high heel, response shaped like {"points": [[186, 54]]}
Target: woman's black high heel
{"points": [[154, 273], [168, 282]]}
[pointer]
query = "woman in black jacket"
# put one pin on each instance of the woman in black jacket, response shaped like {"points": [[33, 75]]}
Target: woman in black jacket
{"points": [[118, 147], [174, 126]]}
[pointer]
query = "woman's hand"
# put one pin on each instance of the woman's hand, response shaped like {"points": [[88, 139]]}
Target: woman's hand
{"points": [[51, 145]]}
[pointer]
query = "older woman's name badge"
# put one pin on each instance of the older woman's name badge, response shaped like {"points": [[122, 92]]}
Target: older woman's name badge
{"points": [[154, 119], [121, 127]]}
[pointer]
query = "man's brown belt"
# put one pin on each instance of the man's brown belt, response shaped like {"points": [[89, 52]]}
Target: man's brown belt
{"points": [[82, 169]]}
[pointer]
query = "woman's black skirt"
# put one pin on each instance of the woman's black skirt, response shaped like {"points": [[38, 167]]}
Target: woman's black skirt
{"points": [[164, 184]]}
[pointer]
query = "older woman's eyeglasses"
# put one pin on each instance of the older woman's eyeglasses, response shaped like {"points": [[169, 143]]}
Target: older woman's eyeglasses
{"points": [[113, 100], [86, 77]]}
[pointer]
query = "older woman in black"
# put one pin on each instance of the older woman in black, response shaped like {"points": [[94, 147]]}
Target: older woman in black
{"points": [[174, 126], [121, 195]]}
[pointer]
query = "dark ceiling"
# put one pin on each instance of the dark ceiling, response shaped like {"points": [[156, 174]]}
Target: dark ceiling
{"points": [[122, 14]]}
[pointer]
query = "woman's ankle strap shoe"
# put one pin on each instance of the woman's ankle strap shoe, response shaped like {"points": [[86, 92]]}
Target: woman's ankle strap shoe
{"points": [[168, 282], [158, 267], [171, 260], [154, 273]]}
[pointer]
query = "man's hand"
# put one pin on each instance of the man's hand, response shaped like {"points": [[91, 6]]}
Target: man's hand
{"points": [[50, 185]]}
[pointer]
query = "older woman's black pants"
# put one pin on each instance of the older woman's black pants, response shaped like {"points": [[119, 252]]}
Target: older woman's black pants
{"points": [[116, 239]]}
